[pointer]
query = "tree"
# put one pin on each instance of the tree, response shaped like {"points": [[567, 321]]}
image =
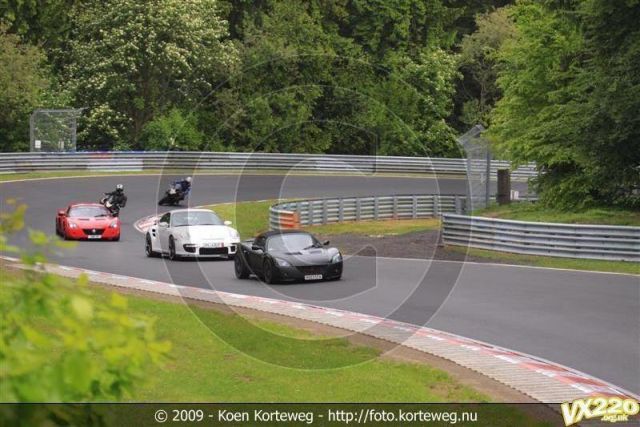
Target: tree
{"points": [[172, 131], [23, 81], [306, 87], [571, 101], [478, 63], [132, 60]]}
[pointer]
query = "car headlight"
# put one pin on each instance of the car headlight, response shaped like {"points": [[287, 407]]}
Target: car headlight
{"points": [[114, 224], [283, 263], [336, 258], [234, 234], [73, 225]]}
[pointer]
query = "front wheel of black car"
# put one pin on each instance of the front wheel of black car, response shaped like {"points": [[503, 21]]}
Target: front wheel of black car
{"points": [[269, 273], [240, 267]]}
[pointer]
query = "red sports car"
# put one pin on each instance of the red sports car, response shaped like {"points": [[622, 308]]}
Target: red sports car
{"points": [[87, 221]]}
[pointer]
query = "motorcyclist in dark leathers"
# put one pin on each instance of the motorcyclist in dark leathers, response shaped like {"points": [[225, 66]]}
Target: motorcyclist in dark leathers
{"points": [[117, 197], [183, 186]]}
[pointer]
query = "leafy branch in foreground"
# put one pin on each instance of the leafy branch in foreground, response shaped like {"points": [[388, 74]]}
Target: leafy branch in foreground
{"points": [[56, 344]]}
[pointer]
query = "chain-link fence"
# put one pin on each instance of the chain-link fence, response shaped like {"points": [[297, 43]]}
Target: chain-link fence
{"points": [[54, 130], [478, 154]]}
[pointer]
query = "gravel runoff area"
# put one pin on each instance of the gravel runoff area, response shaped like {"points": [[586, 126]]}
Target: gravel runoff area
{"points": [[420, 245]]}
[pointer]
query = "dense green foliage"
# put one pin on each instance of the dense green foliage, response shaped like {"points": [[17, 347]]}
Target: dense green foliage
{"points": [[58, 345], [22, 83], [572, 99], [555, 82]]}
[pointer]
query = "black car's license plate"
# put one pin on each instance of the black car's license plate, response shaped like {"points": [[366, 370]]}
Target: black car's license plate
{"points": [[313, 277]]}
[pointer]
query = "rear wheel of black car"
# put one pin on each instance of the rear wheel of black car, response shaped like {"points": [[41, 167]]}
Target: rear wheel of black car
{"points": [[269, 273], [240, 267]]}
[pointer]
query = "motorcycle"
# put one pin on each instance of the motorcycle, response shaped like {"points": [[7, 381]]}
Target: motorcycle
{"points": [[172, 196], [107, 202]]}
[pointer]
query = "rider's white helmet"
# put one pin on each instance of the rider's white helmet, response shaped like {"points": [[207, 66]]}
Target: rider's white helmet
{"points": [[119, 187], [188, 179]]}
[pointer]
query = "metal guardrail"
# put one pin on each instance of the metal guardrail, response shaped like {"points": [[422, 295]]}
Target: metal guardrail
{"points": [[302, 213], [216, 161], [619, 243]]}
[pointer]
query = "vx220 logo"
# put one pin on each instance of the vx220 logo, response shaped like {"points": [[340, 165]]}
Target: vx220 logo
{"points": [[611, 409]]}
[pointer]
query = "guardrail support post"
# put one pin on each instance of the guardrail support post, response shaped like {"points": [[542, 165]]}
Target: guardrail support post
{"points": [[375, 208], [340, 210], [414, 207], [358, 208], [395, 207], [324, 211]]}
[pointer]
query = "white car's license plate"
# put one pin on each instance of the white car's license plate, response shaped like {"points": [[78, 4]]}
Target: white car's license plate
{"points": [[313, 277], [94, 236], [213, 244]]}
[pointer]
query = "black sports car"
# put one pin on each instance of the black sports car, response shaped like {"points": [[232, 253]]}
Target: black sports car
{"points": [[287, 255]]}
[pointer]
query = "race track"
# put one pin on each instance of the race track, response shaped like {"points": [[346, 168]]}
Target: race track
{"points": [[588, 321]]}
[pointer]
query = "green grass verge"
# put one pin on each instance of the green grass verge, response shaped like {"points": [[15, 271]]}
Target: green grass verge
{"points": [[269, 361], [251, 218], [377, 228], [535, 212], [551, 262]]}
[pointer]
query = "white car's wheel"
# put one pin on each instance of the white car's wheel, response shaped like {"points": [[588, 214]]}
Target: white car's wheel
{"points": [[172, 250], [148, 248]]}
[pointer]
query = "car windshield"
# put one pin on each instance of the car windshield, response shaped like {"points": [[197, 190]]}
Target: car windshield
{"points": [[88, 211], [181, 219], [291, 242]]}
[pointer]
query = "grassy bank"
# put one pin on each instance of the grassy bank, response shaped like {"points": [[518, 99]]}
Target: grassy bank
{"points": [[550, 262], [535, 212], [219, 356], [251, 218]]}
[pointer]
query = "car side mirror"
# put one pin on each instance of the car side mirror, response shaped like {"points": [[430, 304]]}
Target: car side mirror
{"points": [[227, 223], [163, 224], [326, 243], [256, 248], [61, 212]]}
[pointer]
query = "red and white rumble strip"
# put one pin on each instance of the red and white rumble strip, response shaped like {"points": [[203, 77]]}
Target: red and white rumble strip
{"points": [[539, 379]]}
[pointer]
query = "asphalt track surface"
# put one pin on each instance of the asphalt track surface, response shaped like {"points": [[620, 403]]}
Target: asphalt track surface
{"points": [[587, 321]]}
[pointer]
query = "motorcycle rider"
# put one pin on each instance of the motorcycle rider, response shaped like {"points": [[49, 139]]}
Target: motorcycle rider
{"points": [[118, 198], [183, 186]]}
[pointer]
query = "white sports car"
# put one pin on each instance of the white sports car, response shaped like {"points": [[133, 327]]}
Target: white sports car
{"points": [[191, 233]]}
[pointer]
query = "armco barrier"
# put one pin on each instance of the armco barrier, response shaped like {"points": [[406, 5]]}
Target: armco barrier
{"points": [[536, 238], [213, 161], [324, 211]]}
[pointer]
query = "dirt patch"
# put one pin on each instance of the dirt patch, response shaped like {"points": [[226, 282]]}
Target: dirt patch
{"points": [[419, 245]]}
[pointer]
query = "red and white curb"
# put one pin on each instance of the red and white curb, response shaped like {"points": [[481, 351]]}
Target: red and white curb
{"points": [[539, 379], [143, 224]]}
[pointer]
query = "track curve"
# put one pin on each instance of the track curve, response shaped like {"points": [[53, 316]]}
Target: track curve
{"points": [[589, 321]]}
